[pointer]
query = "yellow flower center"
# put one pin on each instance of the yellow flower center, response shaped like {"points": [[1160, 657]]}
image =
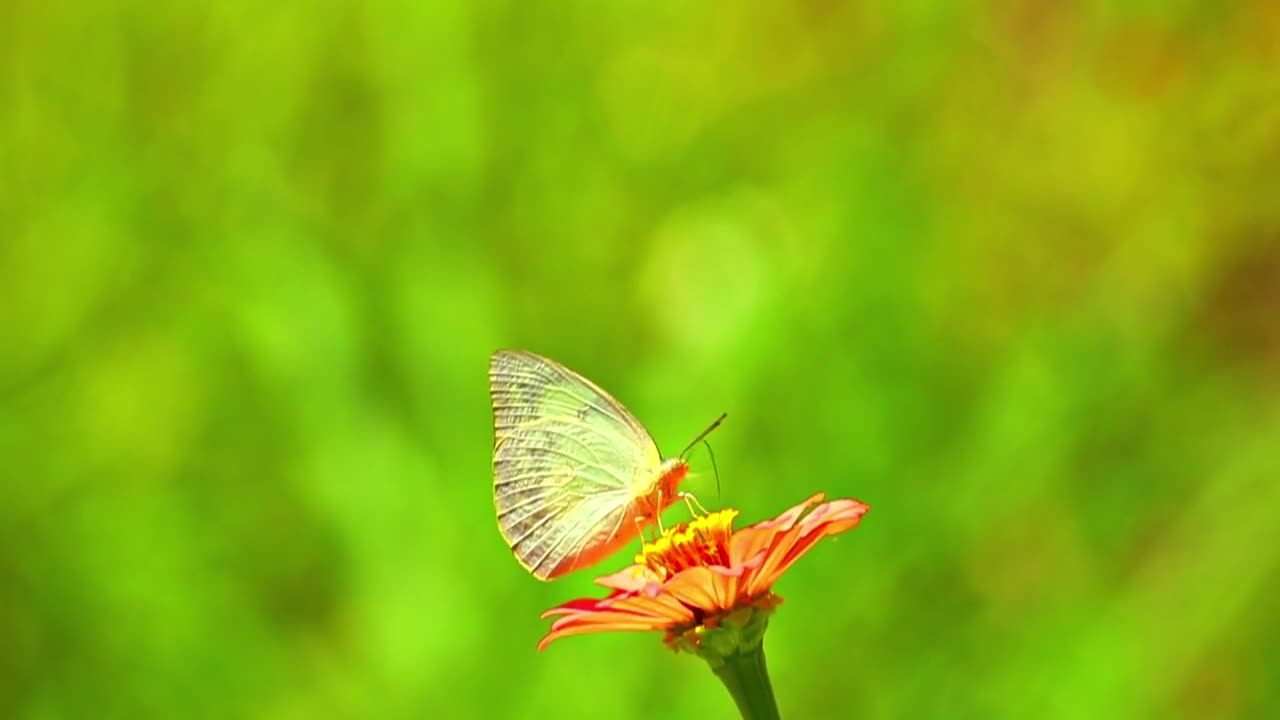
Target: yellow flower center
{"points": [[699, 542]]}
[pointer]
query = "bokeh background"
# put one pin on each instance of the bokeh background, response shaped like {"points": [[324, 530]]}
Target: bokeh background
{"points": [[1009, 272]]}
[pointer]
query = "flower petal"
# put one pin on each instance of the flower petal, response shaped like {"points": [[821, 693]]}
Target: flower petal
{"points": [[664, 605], [588, 604], [695, 588], [789, 518], [582, 628], [832, 525], [752, 539], [748, 542], [632, 578], [763, 579], [574, 606], [836, 511], [610, 618], [828, 519], [725, 582]]}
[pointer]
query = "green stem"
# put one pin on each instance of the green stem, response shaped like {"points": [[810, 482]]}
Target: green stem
{"points": [[746, 677]]}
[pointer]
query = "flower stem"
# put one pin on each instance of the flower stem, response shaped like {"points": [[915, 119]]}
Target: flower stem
{"points": [[746, 677]]}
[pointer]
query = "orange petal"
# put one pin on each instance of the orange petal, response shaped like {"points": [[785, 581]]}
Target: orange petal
{"points": [[832, 521], [752, 539], [588, 604], [763, 579], [633, 610], [584, 628], [836, 511], [574, 606], [726, 585], [789, 518], [747, 543], [665, 606], [609, 618], [695, 588], [630, 579], [750, 569]]}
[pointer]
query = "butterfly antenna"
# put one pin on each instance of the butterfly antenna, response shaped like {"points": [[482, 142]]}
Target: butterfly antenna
{"points": [[702, 435], [715, 469]]}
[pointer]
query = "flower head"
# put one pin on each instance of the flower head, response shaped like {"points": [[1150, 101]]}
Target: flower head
{"points": [[707, 586]]}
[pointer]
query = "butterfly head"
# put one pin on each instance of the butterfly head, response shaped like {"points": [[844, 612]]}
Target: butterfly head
{"points": [[670, 475]]}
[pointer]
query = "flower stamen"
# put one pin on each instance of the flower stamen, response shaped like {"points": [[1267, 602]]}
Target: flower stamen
{"points": [[703, 541]]}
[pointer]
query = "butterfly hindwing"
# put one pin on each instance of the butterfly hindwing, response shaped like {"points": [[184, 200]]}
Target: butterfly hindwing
{"points": [[566, 457]]}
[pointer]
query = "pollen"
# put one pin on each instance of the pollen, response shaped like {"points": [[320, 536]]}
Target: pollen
{"points": [[702, 541]]}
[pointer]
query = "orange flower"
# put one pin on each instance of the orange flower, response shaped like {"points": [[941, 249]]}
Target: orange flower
{"points": [[703, 578]]}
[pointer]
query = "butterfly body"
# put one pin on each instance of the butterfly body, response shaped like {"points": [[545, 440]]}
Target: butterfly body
{"points": [[576, 476], [650, 500]]}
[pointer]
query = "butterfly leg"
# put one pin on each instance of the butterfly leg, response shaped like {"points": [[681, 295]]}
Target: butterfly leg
{"points": [[690, 501], [639, 521], [658, 515]]}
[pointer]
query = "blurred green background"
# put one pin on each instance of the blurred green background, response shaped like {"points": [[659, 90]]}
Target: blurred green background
{"points": [[1009, 272]]}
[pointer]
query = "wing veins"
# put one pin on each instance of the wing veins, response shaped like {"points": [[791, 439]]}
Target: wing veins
{"points": [[588, 523], [551, 429], [536, 527], [540, 385], [582, 543], [574, 469], [538, 421], [536, 499], [570, 408], [597, 519]]}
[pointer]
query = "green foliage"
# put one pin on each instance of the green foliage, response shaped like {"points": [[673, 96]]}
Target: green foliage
{"points": [[1008, 273]]}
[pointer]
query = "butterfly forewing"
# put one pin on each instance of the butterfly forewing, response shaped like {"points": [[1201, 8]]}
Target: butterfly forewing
{"points": [[566, 457]]}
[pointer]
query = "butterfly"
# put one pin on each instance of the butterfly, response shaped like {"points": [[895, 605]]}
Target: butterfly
{"points": [[575, 476]]}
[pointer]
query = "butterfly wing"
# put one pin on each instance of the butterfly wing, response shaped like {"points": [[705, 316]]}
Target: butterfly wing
{"points": [[566, 459]]}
